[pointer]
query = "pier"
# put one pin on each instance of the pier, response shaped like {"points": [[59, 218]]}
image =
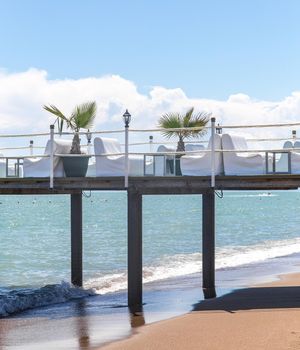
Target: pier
{"points": [[137, 188], [207, 172]]}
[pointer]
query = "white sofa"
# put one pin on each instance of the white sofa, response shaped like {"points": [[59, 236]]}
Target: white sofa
{"points": [[114, 165], [241, 163], [40, 167], [200, 164]]}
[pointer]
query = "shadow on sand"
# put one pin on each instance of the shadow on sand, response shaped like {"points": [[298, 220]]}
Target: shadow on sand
{"points": [[253, 298]]}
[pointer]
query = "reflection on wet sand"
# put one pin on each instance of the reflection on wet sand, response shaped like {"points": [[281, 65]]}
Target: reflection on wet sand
{"points": [[136, 316], [82, 324]]}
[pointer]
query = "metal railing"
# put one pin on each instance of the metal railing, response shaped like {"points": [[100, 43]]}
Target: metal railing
{"points": [[213, 150]]}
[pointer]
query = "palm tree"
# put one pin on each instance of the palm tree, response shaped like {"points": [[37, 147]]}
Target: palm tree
{"points": [[82, 117], [187, 120]]}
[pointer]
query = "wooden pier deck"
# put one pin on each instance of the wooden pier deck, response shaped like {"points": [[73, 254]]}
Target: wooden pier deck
{"points": [[139, 186], [149, 184]]}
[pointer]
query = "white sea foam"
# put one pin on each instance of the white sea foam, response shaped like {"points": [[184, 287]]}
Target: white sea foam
{"points": [[23, 299], [185, 264]]}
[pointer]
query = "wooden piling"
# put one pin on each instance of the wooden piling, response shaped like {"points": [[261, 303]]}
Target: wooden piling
{"points": [[76, 239], [208, 244], [135, 248]]}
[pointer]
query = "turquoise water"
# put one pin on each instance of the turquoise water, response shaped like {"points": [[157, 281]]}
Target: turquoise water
{"points": [[35, 239]]}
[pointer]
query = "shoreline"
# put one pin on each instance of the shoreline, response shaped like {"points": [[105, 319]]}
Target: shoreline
{"points": [[265, 316], [102, 321]]}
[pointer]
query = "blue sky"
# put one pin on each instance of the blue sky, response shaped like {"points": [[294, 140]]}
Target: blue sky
{"points": [[210, 49]]}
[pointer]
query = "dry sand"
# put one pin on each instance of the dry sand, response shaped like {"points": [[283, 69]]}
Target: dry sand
{"points": [[262, 317]]}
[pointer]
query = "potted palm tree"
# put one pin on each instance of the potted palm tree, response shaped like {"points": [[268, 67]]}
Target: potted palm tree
{"points": [[195, 121], [82, 117]]}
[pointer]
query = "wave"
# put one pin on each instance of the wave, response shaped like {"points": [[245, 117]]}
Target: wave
{"points": [[13, 301], [185, 264], [17, 300]]}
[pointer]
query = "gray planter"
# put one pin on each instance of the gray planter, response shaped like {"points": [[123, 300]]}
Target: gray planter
{"points": [[76, 166]]}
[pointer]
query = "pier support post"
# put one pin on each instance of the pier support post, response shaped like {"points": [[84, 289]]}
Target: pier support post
{"points": [[135, 248], [76, 239], [208, 244]]}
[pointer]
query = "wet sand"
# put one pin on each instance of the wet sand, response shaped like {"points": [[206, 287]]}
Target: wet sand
{"points": [[262, 317]]}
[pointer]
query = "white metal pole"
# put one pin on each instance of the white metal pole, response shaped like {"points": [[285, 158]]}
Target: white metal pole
{"points": [[51, 156], [213, 132], [126, 156], [89, 148]]}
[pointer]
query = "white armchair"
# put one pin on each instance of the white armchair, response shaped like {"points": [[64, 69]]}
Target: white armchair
{"points": [[40, 167], [242, 163], [114, 165], [200, 164]]}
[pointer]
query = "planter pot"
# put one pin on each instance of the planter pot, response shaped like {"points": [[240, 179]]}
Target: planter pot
{"points": [[76, 165]]}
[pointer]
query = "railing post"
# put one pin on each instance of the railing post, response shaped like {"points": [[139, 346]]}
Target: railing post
{"points": [[51, 156], [31, 147], [213, 147]]}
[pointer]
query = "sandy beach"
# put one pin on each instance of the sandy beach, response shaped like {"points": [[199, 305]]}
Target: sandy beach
{"points": [[260, 317]]}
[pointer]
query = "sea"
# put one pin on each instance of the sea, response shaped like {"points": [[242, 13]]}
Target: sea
{"points": [[35, 240], [257, 236]]}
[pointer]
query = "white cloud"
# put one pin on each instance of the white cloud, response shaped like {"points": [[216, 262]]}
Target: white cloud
{"points": [[23, 94]]}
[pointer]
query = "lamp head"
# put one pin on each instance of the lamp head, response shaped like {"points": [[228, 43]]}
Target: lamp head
{"points": [[126, 118], [89, 136]]}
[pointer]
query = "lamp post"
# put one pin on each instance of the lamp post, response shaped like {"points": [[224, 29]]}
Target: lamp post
{"points": [[219, 129], [89, 139], [31, 147], [151, 143], [127, 119]]}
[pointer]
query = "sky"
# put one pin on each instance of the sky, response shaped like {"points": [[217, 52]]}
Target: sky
{"points": [[236, 59]]}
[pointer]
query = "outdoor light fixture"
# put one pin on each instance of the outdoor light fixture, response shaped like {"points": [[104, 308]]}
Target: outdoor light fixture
{"points": [[294, 134], [89, 136], [219, 129], [127, 118]]}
